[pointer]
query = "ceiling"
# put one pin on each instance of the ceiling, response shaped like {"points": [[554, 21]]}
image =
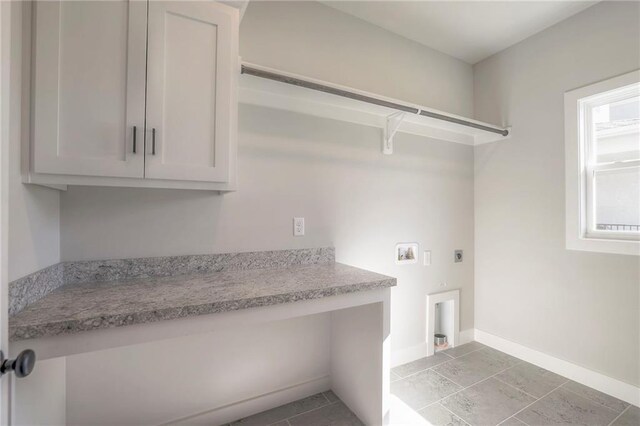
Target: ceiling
{"points": [[468, 30]]}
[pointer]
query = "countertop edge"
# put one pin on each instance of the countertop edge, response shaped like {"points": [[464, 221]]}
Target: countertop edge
{"points": [[52, 329]]}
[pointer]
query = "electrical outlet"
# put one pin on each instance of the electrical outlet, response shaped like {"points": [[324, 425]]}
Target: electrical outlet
{"points": [[298, 226], [427, 257], [457, 256]]}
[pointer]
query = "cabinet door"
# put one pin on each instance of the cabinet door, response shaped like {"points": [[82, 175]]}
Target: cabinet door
{"points": [[192, 74], [89, 88]]}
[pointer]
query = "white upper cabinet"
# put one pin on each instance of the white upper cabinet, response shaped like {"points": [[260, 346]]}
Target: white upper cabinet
{"points": [[193, 63], [89, 88], [134, 93]]}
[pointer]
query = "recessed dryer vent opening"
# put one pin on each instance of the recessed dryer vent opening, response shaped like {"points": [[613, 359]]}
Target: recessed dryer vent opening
{"points": [[442, 321]]}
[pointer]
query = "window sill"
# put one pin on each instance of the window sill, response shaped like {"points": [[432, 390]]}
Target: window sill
{"points": [[600, 245]]}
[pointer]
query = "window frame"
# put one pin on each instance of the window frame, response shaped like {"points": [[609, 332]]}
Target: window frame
{"points": [[580, 205]]}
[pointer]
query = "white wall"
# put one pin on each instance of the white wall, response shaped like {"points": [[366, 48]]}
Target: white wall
{"points": [[34, 212], [34, 232], [154, 383], [314, 40], [578, 306]]}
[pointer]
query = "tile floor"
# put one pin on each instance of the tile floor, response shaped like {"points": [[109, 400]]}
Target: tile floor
{"points": [[322, 409], [476, 385], [469, 385]]}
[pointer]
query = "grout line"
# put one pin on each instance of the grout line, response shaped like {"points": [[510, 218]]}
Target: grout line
{"points": [[304, 412], [513, 417], [463, 389], [516, 388], [524, 408], [520, 361], [270, 424], [463, 420], [446, 378], [465, 354], [473, 384], [482, 349], [422, 371], [589, 399], [442, 363], [433, 403], [451, 358], [313, 409], [620, 415]]}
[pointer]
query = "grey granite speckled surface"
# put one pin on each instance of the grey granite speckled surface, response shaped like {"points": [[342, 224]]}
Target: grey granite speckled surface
{"points": [[32, 287], [80, 307], [26, 290], [122, 269]]}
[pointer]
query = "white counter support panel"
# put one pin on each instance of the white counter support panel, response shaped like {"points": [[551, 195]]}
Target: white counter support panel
{"points": [[361, 360], [271, 88]]}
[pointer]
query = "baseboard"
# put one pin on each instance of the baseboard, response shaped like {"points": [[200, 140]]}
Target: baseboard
{"points": [[593, 379], [403, 356], [246, 407]]}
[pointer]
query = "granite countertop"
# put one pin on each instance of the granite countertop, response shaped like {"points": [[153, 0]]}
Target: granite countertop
{"points": [[78, 307]]}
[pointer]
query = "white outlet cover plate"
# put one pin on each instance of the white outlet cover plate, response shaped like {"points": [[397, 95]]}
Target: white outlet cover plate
{"points": [[298, 226]]}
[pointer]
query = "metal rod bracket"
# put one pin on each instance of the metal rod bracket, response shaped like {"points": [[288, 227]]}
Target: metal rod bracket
{"points": [[391, 127]]}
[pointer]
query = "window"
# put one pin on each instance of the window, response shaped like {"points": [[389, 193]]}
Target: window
{"points": [[602, 149]]}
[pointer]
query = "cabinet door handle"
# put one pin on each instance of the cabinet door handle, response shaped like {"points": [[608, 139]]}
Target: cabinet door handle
{"points": [[153, 141], [134, 138]]}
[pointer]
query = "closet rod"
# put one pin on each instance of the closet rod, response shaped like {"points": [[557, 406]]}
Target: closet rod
{"points": [[364, 98]]}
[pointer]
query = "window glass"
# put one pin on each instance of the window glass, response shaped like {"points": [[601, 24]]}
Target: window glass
{"points": [[617, 200], [617, 131]]}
